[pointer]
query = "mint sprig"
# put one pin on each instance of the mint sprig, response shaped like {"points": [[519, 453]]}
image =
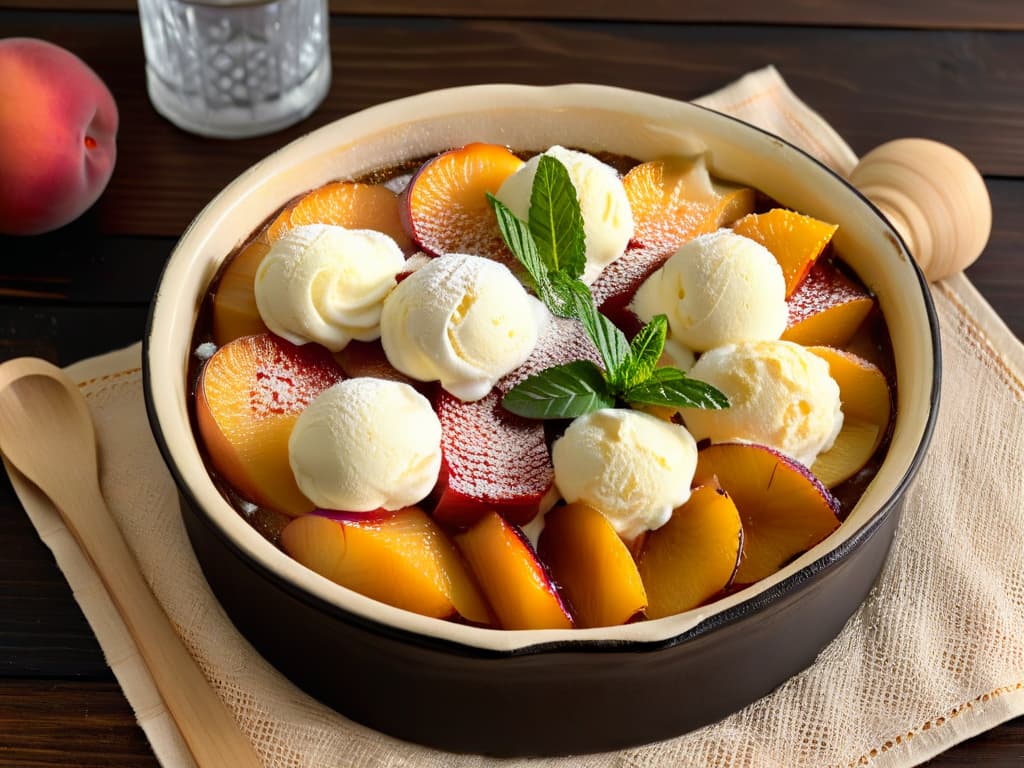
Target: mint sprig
{"points": [[551, 247]]}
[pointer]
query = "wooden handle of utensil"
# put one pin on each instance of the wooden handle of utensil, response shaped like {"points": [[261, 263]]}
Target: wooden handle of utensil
{"points": [[209, 730], [934, 197]]}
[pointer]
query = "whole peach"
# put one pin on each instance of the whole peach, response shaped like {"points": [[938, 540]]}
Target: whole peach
{"points": [[58, 125]]}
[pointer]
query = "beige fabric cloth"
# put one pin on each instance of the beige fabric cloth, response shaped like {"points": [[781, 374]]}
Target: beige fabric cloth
{"points": [[934, 656]]}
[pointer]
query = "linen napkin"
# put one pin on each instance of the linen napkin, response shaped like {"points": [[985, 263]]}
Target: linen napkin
{"points": [[934, 656]]}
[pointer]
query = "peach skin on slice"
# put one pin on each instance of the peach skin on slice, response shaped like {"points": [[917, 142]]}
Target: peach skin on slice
{"points": [[785, 510], [867, 408], [234, 304], [826, 309], [694, 556], [592, 565], [673, 200], [400, 558], [248, 396], [445, 206], [796, 241], [491, 459], [348, 204], [512, 578]]}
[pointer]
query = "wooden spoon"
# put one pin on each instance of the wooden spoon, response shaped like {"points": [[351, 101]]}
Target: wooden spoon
{"points": [[47, 433]]}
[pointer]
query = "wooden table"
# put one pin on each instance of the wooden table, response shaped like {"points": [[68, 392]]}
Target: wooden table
{"points": [[876, 69]]}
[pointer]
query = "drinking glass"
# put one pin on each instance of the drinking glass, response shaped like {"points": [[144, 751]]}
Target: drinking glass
{"points": [[235, 68]]}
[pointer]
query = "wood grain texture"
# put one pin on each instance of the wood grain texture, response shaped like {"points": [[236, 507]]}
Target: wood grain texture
{"points": [[940, 14], [961, 88], [46, 724]]}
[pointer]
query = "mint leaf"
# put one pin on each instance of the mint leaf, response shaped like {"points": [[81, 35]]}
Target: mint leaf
{"points": [[555, 220], [518, 239], [646, 349], [561, 392], [565, 295], [611, 343], [670, 386]]}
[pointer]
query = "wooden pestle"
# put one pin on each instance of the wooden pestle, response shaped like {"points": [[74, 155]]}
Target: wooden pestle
{"points": [[934, 197]]}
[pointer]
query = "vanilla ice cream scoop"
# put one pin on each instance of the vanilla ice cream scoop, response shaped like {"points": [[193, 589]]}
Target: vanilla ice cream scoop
{"points": [[780, 395], [462, 320], [327, 284], [607, 217], [719, 288], [366, 444], [633, 467]]}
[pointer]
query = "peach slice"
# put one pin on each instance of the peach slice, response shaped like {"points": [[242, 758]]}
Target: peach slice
{"points": [[867, 408], [249, 394], [445, 206], [400, 558], [513, 580], [562, 341], [491, 459], [234, 305], [796, 241], [367, 358], [826, 309], [673, 200], [694, 556], [785, 509], [618, 282], [592, 565], [348, 204]]}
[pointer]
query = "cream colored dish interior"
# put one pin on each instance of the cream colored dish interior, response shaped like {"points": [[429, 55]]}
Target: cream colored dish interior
{"points": [[586, 116]]}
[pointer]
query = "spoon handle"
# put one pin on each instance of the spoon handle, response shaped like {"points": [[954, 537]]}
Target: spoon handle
{"points": [[209, 730]]}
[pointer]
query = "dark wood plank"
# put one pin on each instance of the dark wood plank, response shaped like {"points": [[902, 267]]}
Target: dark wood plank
{"points": [[940, 14], [80, 266], [50, 724], [998, 273], [960, 88], [54, 724], [66, 333]]}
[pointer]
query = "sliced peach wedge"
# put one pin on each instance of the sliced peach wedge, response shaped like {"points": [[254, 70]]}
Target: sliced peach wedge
{"points": [[694, 556], [249, 394], [445, 206], [513, 580], [867, 408], [401, 558], [592, 565], [673, 200], [234, 305], [796, 241], [785, 510], [347, 204], [827, 308], [491, 459]]}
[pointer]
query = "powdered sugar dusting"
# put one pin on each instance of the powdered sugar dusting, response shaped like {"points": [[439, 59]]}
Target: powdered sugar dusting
{"points": [[287, 378], [460, 232], [205, 350], [491, 456], [562, 341], [823, 288], [622, 277]]}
